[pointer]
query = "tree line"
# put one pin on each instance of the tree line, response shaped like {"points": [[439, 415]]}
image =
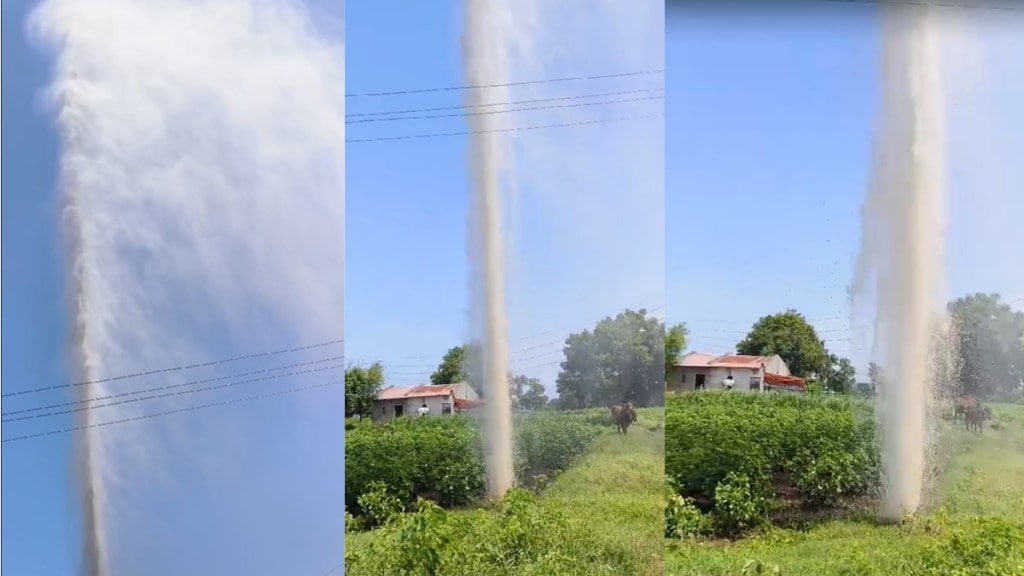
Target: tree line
{"points": [[978, 351], [622, 358], [629, 356]]}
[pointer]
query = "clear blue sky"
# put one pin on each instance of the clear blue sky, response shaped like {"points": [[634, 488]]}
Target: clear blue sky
{"points": [[769, 124], [769, 127], [593, 204], [41, 533]]}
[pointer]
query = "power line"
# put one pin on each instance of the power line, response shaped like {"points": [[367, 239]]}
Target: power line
{"points": [[485, 112], [508, 84], [162, 388], [170, 412], [425, 369], [507, 103], [174, 368], [159, 396], [515, 129]]}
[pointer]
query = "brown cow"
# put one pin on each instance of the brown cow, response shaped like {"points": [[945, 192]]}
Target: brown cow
{"points": [[975, 416], [960, 406], [623, 415]]}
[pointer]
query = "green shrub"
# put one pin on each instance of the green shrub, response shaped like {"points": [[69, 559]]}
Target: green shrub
{"points": [[378, 505], [821, 448], [682, 518], [353, 524], [978, 546], [441, 459], [740, 505]]}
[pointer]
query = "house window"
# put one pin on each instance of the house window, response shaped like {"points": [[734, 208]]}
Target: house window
{"points": [[383, 410], [755, 383], [446, 407], [682, 378]]}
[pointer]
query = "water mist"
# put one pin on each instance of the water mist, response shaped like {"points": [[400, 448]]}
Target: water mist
{"points": [[485, 39], [902, 248], [202, 172]]}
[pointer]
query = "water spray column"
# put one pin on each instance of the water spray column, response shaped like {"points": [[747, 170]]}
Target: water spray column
{"points": [[480, 51], [910, 288]]}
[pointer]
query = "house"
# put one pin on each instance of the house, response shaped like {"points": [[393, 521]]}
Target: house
{"points": [[439, 400], [700, 371]]}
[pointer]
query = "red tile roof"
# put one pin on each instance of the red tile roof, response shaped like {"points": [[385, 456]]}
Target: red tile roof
{"points": [[423, 391], [701, 360]]}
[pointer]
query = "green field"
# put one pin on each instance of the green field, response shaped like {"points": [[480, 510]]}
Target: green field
{"points": [[602, 515], [973, 523]]}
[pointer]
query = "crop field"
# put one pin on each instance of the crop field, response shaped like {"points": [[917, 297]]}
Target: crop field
{"points": [[766, 484], [588, 500]]}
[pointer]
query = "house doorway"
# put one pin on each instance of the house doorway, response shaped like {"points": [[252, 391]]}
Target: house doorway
{"points": [[398, 410], [698, 381]]}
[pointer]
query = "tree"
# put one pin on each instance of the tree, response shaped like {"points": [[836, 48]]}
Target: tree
{"points": [[622, 359], [527, 393], [675, 344], [362, 385], [874, 377], [790, 336], [987, 335], [457, 367], [842, 376]]}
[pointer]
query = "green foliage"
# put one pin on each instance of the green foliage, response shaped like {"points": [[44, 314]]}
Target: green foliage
{"points": [[740, 504], [521, 539], [362, 384], [549, 442], [841, 377], [793, 338], [682, 518], [823, 449], [621, 359], [758, 568], [442, 458], [420, 539], [353, 524], [978, 546], [675, 344], [378, 505], [455, 367], [989, 336], [527, 393]]}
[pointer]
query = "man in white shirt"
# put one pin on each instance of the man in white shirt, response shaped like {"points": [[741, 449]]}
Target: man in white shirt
{"points": [[423, 410], [728, 382]]}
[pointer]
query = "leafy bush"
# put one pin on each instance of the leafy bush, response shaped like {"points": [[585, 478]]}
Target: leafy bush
{"points": [[437, 458], [378, 505], [523, 539], [442, 459], [739, 505], [807, 450], [978, 546], [682, 518]]}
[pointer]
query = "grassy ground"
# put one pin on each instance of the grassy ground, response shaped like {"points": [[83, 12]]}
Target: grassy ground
{"points": [[602, 516], [985, 477]]}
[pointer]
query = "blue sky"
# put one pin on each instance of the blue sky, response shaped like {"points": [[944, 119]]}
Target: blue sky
{"points": [[254, 488], [589, 199], [41, 535], [769, 128], [768, 135]]}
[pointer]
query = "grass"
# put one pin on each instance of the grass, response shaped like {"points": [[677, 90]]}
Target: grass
{"points": [[984, 482], [602, 516]]}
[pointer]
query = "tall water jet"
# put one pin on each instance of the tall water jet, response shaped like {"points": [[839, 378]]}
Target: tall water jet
{"points": [[485, 39], [202, 173], [901, 252]]}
